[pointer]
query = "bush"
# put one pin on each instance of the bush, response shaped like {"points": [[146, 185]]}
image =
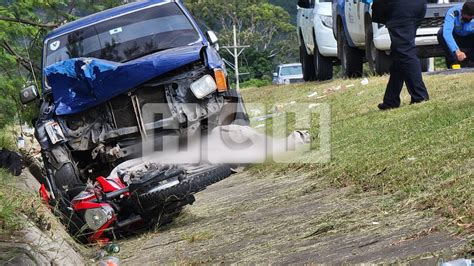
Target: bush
{"points": [[6, 139], [255, 83]]}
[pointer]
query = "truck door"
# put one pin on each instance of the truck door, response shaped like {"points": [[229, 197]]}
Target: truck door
{"points": [[305, 13], [354, 12]]}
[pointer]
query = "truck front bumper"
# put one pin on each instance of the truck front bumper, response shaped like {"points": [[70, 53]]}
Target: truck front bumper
{"points": [[426, 41]]}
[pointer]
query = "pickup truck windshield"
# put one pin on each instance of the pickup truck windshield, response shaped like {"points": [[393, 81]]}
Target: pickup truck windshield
{"points": [[291, 70], [126, 37]]}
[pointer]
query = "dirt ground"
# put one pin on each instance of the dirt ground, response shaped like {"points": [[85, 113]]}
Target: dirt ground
{"points": [[288, 219]]}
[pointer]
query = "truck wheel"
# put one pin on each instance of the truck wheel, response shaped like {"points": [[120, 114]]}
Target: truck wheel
{"points": [[65, 173], [425, 64], [307, 63], [379, 61], [66, 177], [351, 58], [323, 65]]}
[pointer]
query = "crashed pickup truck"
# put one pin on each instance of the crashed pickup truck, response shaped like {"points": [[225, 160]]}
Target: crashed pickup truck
{"points": [[99, 75]]}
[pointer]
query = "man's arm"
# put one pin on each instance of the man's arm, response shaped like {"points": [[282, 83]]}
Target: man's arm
{"points": [[448, 29]]}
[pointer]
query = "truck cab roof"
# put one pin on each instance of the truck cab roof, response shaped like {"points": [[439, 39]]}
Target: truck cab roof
{"points": [[104, 15]]}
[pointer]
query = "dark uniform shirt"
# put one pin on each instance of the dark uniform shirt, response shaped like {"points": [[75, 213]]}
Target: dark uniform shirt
{"points": [[398, 13]]}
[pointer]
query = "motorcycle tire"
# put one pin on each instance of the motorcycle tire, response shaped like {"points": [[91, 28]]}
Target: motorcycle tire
{"points": [[191, 185]]}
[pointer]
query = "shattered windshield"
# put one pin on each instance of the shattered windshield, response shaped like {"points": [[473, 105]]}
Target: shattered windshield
{"points": [[127, 37]]}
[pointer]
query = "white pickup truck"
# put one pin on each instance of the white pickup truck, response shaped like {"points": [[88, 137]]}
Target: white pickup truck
{"points": [[318, 47], [358, 38]]}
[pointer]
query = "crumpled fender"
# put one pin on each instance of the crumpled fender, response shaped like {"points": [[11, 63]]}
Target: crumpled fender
{"points": [[81, 83]]}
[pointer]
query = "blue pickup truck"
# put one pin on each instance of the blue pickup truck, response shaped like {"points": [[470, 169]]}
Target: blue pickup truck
{"points": [[102, 71]]}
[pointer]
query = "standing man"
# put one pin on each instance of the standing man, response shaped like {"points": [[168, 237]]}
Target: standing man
{"points": [[402, 18], [457, 34]]}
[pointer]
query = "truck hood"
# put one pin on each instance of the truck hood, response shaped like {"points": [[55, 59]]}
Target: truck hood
{"points": [[81, 83]]}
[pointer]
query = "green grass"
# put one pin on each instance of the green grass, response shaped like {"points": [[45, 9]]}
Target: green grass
{"points": [[418, 154], [18, 206], [11, 202]]}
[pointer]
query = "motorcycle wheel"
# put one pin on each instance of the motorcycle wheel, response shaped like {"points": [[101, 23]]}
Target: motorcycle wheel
{"points": [[189, 186]]}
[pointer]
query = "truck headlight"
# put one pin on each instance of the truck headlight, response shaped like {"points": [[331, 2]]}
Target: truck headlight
{"points": [[98, 217], [203, 86], [327, 21]]}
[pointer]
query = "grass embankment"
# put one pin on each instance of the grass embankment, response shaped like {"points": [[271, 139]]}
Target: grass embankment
{"points": [[12, 204], [421, 156], [15, 204]]}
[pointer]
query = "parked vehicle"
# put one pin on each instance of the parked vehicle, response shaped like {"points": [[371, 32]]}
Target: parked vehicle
{"points": [[359, 39], [99, 74], [288, 73], [318, 47]]}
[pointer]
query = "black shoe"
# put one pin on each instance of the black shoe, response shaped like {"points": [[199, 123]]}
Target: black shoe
{"points": [[415, 102], [384, 106]]}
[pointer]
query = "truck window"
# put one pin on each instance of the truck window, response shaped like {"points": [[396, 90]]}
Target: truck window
{"points": [[291, 70], [126, 37]]}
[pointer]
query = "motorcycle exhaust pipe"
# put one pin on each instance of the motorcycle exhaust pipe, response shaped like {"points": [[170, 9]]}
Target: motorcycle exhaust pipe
{"points": [[129, 221]]}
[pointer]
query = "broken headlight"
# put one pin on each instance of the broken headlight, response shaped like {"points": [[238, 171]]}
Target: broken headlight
{"points": [[98, 217], [203, 86]]}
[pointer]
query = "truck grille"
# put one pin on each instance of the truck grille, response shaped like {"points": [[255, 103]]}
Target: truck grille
{"points": [[432, 22], [123, 110], [296, 81]]}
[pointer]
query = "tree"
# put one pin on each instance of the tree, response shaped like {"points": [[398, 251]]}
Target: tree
{"points": [[289, 6], [263, 26]]}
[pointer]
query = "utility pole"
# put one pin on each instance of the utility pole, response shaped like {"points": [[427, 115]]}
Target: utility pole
{"points": [[236, 53]]}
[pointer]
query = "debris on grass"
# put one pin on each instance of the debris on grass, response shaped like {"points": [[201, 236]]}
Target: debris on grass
{"points": [[255, 112], [364, 82], [313, 94]]}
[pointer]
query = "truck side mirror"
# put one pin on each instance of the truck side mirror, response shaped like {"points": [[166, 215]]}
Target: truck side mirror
{"points": [[275, 74], [304, 3], [29, 94], [211, 35]]}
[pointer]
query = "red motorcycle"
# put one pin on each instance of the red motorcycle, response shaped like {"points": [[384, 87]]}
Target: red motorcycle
{"points": [[131, 200]]}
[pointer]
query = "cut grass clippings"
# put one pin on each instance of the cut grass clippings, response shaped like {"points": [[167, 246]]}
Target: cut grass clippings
{"points": [[420, 155]]}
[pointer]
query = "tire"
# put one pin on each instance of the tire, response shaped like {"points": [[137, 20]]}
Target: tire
{"points": [[65, 174], [307, 63], [323, 65], [425, 64], [379, 61], [191, 185], [351, 58], [66, 177]]}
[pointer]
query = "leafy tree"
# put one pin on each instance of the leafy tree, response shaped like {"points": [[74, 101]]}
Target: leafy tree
{"points": [[289, 6], [263, 26]]}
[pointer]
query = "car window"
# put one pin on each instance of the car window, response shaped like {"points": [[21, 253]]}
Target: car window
{"points": [[127, 37], [291, 70]]}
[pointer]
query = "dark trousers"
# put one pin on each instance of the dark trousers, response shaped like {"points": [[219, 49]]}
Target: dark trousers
{"points": [[465, 43], [406, 67]]}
